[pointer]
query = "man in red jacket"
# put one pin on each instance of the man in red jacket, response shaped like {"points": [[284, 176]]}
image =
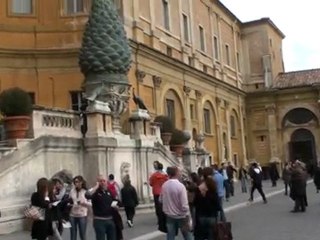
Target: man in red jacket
{"points": [[157, 179]]}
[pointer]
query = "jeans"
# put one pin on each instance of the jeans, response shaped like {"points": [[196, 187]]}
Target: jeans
{"points": [[173, 224], [206, 227], [243, 185], [130, 212], [227, 188], [103, 228], [81, 223], [222, 215]]}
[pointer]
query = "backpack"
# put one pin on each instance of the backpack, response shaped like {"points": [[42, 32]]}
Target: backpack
{"points": [[112, 189]]}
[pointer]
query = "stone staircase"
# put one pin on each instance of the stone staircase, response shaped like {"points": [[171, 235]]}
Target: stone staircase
{"points": [[6, 148]]}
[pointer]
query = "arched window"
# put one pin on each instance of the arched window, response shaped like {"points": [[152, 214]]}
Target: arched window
{"points": [[233, 126]]}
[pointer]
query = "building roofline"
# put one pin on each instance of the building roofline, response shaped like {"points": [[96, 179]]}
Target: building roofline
{"points": [[267, 21], [227, 10]]}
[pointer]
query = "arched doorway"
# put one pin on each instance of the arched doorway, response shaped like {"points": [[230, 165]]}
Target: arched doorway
{"points": [[302, 146]]}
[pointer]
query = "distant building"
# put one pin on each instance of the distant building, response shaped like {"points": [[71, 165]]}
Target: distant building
{"points": [[194, 61]]}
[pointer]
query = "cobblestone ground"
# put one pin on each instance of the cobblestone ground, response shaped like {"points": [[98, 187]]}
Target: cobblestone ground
{"points": [[250, 222]]}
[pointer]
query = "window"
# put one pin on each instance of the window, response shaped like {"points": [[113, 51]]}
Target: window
{"points": [[73, 6], [227, 54], [185, 28], [206, 117], [238, 61], [216, 47], [233, 126], [202, 43], [205, 68], [169, 51], [262, 138], [192, 111], [170, 110], [76, 100], [235, 159], [22, 7], [166, 16], [32, 97], [270, 40]]}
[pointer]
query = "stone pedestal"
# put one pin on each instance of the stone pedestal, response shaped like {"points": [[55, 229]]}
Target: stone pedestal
{"points": [[140, 124], [99, 124]]}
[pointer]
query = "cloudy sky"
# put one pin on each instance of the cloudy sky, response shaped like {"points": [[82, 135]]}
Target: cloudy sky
{"points": [[298, 20]]}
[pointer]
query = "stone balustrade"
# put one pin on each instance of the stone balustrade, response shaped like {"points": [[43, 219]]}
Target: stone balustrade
{"points": [[55, 122]]}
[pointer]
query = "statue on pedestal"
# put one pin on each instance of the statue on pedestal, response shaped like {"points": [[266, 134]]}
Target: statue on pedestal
{"points": [[105, 59]]}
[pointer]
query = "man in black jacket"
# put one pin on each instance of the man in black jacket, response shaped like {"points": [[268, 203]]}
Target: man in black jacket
{"points": [[103, 222], [256, 180]]}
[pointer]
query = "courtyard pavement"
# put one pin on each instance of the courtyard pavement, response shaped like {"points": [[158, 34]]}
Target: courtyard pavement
{"points": [[272, 221]]}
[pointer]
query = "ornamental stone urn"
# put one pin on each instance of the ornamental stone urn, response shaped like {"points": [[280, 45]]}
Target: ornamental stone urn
{"points": [[105, 60]]}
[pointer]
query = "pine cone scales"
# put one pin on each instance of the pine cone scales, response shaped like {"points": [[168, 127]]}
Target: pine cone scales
{"points": [[105, 47]]}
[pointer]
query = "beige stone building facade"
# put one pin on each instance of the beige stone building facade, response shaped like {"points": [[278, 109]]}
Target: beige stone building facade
{"points": [[192, 60]]}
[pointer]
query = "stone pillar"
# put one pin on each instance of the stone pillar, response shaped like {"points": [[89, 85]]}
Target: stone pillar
{"points": [[140, 124], [199, 111], [272, 127], [157, 84], [99, 124], [243, 141], [187, 115], [219, 129], [227, 108]]}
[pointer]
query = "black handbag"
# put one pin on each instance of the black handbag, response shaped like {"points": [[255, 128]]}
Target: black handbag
{"points": [[222, 231]]}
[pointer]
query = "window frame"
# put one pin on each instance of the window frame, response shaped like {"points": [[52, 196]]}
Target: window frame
{"points": [[80, 99], [166, 15], [202, 37], [207, 120], [10, 12], [216, 53], [64, 13], [186, 28], [169, 114], [233, 126], [228, 57]]}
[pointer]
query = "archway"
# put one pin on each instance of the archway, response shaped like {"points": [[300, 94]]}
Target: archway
{"points": [[302, 146]]}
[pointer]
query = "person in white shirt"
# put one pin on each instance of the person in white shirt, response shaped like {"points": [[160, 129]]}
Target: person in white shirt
{"points": [[226, 183], [79, 210]]}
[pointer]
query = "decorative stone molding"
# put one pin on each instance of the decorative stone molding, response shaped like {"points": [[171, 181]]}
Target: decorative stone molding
{"points": [[198, 94], [226, 103], [140, 75], [156, 81], [187, 90], [218, 101], [270, 108]]}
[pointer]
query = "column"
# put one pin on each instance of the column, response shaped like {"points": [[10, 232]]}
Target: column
{"points": [[243, 142], [157, 93], [272, 127], [199, 112], [191, 25], [187, 114], [227, 108], [136, 26], [219, 131]]}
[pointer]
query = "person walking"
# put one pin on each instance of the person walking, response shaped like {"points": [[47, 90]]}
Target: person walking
{"points": [[219, 180], [230, 172], [192, 186], [156, 180], [226, 184], [298, 184], [274, 174], [113, 187], [243, 177], [42, 228], [316, 177], [207, 205], [56, 214], [175, 206], [79, 209], [286, 173], [129, 200], [256, 181]]}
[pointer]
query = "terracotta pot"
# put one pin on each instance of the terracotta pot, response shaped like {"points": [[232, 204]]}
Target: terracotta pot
{"points": [[178, 149], [16, 127], [166, 138]]}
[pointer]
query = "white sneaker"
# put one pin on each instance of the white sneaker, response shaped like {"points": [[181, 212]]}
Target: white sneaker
{"points": [[130, 224]]}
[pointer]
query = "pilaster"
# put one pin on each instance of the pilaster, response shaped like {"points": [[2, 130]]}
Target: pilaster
{"points": [[272, 127], [157, 84], [243, 142], [199, 111], [187, 115], [219, 129], [227, 108]]}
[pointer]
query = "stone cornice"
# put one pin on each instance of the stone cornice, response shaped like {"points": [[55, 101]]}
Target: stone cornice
{"points": [[159, 56], [39, 52]]}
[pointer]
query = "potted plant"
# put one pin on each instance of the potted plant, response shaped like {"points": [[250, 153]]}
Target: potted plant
{"points": [[16, 107], [166, 128], [178, 140]]}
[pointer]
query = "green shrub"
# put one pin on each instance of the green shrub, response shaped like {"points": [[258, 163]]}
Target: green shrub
{"points": [[166, 124], [15, 102], [179, 137]]}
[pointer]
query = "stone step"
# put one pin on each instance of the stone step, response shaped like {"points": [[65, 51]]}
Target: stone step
{"points": [[6, 150]]}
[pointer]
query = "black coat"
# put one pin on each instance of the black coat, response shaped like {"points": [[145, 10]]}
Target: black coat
{"points": [[129, 196], [298, 183], [316, 177], [41, 229]]}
